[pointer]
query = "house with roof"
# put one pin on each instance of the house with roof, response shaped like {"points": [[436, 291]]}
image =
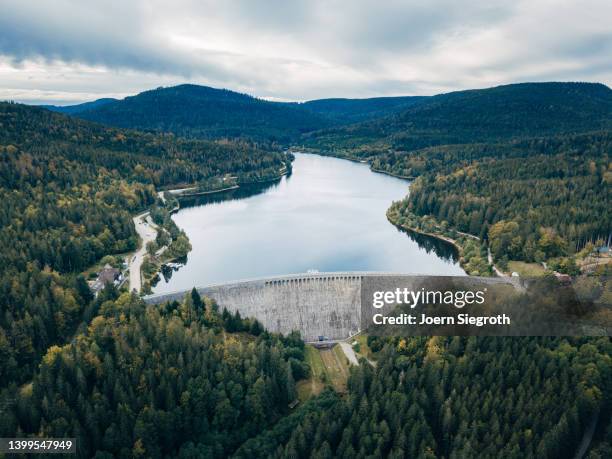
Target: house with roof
{"points": [[108, 275]]}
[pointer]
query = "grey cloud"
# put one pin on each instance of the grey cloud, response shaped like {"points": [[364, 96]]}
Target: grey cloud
{"points": [[404, 25], [75, 32], [298, 49]]}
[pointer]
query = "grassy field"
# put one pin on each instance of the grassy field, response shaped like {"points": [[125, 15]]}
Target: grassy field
{"points": [[327, 367], [526, 269], [315, 384], [336, 367]]}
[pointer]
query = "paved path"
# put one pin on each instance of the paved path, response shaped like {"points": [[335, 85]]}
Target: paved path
{"points": [[147, 232], [349, 352], [490, 259], [587, 437]]}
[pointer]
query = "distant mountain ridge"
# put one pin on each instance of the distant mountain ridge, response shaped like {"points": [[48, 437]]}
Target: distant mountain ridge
{"points": [[409, 122], [482, 115], [199, 111], [74, 109], [356, 110]]}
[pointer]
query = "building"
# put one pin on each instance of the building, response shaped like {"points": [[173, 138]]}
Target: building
{"points": [[108, 275], [563, 279]]}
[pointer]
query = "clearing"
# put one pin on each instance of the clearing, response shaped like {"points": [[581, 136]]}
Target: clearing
{"points": [[307, 388], [526, 269], [327, 366]]}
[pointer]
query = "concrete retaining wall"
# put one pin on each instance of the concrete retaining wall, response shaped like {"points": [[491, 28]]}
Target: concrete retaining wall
{"points": [[326, 305], [322, 304]]}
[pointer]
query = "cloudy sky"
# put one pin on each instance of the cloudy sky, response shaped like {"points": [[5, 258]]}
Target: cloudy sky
{"points": [[70, 51]]}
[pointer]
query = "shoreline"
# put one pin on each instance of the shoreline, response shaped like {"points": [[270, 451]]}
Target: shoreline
{"points": [[221, 190], [362, 161], [202, 193], [455, 243], [391, 174], [175, 209], [440, 237]]}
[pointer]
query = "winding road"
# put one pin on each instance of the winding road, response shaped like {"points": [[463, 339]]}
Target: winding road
{"points": [[349, 352], [147, 232], [490, 259], [587, 438]]}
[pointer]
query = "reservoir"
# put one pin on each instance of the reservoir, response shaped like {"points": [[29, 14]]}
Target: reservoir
{"points": [[328, 215]]}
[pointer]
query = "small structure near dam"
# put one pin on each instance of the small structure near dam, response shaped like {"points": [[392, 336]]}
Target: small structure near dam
{"points": [[324, 307]]}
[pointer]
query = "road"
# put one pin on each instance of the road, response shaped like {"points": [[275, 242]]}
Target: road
{"points": [[587, 438], [147, 232], [490, 259], [349, 352]]}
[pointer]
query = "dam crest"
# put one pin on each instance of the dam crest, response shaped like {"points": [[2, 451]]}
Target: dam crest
{"points": [[319, 305]]}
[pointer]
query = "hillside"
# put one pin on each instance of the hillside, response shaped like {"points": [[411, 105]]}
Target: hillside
{"points": [[69, 190], [536, 200], [73, 109], [204, 112], [481, 115], [347, 111]]}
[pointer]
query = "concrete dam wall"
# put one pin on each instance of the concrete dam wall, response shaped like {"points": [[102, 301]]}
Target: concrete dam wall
{"points": [[326, 305], [318, 304]]}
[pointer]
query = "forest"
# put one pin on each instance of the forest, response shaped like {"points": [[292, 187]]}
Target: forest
{"points": [[69, 190], [455, 397], [533, 200], [499, 114], [186, 380], [203, 112], [524, 168]]}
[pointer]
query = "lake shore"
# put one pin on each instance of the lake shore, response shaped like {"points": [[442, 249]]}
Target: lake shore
{"points": [[456, 243], [136, 259], [324, 196]]}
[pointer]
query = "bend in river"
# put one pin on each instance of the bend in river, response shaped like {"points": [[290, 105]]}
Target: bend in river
{"points": [[329, 215]]}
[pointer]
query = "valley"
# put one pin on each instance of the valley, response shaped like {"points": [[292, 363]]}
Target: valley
{"points": [[516, 177]]}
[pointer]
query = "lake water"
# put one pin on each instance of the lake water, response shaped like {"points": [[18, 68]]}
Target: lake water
{"points": [[329, 215]]}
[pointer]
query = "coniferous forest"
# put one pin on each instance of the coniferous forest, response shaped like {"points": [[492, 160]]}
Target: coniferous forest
{"points": [[535, 200], [69, 190], [185, 380], [523, 168]]}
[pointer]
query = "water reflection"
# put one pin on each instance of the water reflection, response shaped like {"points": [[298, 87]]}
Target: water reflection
{"points": [[330, 215], [245, 191], [440, 248]]}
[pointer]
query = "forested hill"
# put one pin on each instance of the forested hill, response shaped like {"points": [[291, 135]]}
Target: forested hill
{"points": [[69, 189], [73, 109], [454, 397], [204, 112], [403, 123], [158, 159], [347, 111], [482, 115]]}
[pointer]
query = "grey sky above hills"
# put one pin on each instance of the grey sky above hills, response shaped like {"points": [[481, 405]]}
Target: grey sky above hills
{"points": [[66, 52]]}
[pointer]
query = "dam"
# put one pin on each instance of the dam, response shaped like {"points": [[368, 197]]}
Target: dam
{"points": [[319, 305]]}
